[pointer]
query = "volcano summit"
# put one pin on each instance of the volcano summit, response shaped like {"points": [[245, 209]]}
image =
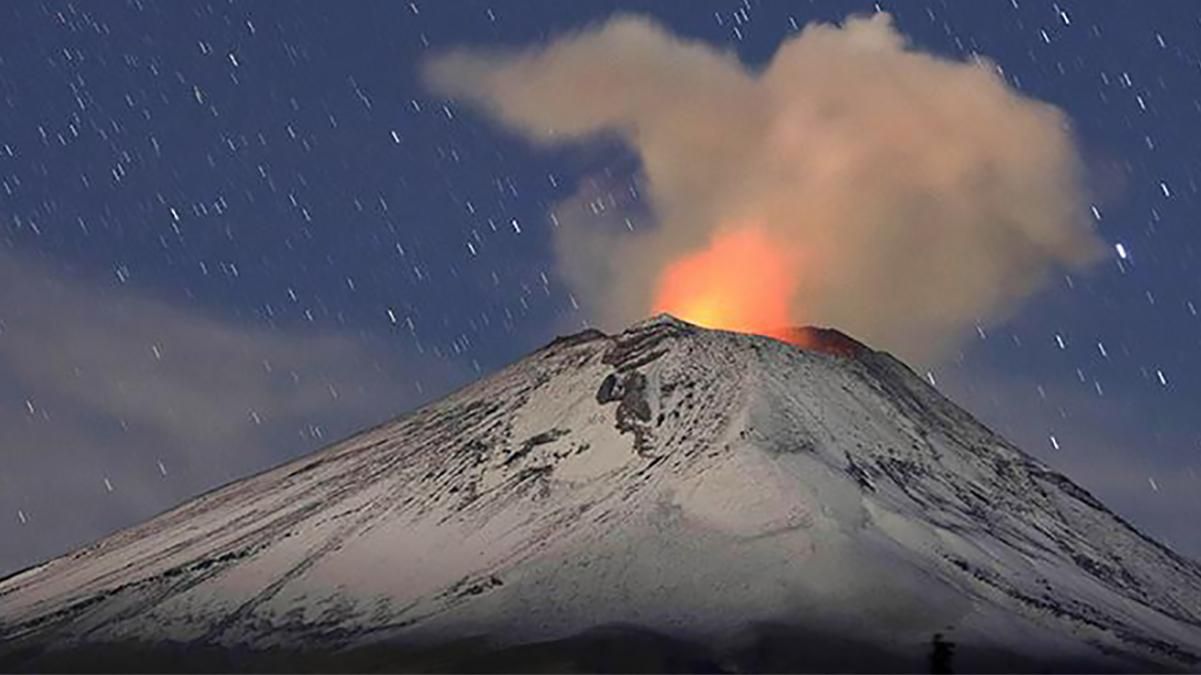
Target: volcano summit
{"points": [[669, 498]]}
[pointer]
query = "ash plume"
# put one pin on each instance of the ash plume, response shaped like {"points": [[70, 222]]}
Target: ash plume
{"points": [[909, 195]]}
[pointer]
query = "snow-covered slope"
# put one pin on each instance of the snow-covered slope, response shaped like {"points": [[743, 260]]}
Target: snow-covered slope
{"points": [[726, 497]]}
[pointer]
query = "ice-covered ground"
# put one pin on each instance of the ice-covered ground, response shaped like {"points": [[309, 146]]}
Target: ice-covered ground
{"points": [[691, 482]]}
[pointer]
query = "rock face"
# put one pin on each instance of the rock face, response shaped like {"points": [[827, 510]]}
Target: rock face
{"points": [[670, 498]]}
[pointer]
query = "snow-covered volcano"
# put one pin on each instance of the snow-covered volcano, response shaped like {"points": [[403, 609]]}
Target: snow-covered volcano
{"points": [[667, 498]]}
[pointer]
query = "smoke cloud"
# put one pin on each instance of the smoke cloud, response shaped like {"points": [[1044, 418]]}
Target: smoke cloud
{"points": [[909, 196]]}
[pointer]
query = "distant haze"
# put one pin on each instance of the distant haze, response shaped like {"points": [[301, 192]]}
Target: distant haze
{"points": [[853, 181]]}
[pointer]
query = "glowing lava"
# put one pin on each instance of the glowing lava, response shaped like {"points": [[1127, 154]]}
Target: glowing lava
{"points": [[742, 281]]}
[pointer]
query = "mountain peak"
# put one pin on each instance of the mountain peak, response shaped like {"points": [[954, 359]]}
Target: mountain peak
{"points": [[718, 495], [661, 319], [819, 339]]}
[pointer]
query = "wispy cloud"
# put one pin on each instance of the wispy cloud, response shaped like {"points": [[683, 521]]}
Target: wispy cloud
{"points": [[115, 404]]}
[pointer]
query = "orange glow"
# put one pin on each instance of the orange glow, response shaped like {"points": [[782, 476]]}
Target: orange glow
{"points": [[742, 282]]}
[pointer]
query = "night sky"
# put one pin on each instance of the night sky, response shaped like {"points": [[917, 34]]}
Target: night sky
{"points": [[233, 232]]}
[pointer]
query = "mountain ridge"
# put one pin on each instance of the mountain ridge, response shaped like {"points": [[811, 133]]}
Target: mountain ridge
{"points": [[604, 481]]}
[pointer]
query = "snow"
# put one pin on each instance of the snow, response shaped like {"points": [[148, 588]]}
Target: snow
{"points": [[717, 481]]}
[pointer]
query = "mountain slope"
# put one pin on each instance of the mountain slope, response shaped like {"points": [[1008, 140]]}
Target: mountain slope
{"points": [[702, 498]]}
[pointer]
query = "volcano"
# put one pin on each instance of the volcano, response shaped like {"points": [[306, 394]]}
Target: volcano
{"points": [[667, 498]]}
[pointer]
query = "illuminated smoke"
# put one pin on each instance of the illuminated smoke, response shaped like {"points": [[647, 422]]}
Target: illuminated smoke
{"points": [[899, 196]]}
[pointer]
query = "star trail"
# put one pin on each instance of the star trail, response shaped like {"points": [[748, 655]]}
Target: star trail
{"points": [[233, 232]]}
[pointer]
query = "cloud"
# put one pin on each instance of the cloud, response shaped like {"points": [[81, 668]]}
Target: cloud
{"points": [[912, 195], [108, 384]]}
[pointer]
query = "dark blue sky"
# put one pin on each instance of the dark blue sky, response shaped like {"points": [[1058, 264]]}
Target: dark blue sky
{"points": [[276, 173]]}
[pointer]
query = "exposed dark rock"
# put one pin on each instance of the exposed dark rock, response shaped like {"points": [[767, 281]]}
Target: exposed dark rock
{"points": [[584, 336], [633, 407], [860, 474], [468, 588], [534, 441], [610, 389], [638, 347]]}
